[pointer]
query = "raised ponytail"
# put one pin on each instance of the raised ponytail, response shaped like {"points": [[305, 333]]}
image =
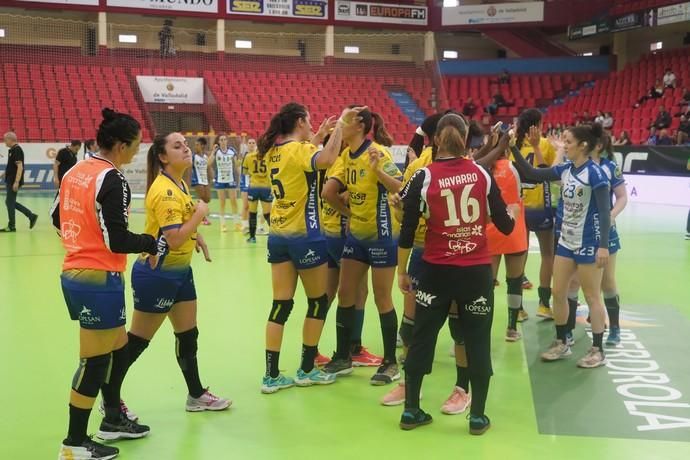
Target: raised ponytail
{"points": [[153, 161], [282, 123], [267, 139], [381, 136]]}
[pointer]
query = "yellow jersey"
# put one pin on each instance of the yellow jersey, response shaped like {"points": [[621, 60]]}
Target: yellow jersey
{"points": [[256, 171], [534, 196], [294, 180], [423, 161], [168, 206], [331, 220], [371, 214]]}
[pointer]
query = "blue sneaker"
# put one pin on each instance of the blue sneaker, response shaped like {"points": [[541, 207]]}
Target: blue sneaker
{"points": [[479, 424], [271, 384], [614, 337], [315, 377], [251, 240]]}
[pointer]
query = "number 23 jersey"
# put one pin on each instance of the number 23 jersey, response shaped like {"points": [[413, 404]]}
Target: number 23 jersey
{"points": [[294, 180]]}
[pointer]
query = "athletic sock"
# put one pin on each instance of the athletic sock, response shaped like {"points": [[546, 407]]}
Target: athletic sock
{"points": [[613, 308], [112, 387], [78, 424], [480, 391], [252, 225], [267, 218], [572, 311], [344, 323], [561, 332], [272, 358], [597, 339], [308, 356], [514, 300], [356, 338], [185, 351], [389, 332], [545, 296]]}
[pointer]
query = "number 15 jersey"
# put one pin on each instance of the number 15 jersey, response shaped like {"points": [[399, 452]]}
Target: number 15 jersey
{"points": [[294, 180]]}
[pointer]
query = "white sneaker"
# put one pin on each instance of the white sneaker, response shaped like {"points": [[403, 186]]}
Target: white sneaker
{"points": [[558, 350], [207, 401], [262, 231]]}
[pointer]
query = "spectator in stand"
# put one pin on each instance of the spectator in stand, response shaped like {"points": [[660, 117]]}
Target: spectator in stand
{"points": [[669, 79], [576, 119], [623, 139], [470, 108], [586, 117], [664, 138], [683, 132], [559, 129], [504, 78], [496, 102], [599, 118], [685, 100], [655, 92], [653, 138], [65, 159], [167, 40], [663, 119], [607, 123]]}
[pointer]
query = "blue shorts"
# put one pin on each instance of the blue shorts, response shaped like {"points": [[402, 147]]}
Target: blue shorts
{"points": [[157, 293], [96, 305], [260, 194], [614, 241], [582, 256], [539, 220], [415, 265], [335, 245], [303, 253], [374, 253], [224, 186]]}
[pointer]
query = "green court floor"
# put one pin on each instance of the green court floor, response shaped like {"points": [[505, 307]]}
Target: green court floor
{"points": [[538, 411]]}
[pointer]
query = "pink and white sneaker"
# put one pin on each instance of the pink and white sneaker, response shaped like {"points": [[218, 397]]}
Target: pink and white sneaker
{"points": [[457, 402], [321, 360], [123, 408], [207, 401], [395, 397]]}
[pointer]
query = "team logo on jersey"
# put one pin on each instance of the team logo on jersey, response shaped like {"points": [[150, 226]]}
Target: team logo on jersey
{"points": [[358, 198], [348, 251], [390, 169], [424, 298], [579, 191], [86, 316], [479, 307], [461, 246], [69, 231], [362, 173], [169, 192]]}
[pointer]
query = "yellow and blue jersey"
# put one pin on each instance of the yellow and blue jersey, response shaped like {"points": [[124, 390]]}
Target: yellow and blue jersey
{"points": [[169, 206], [331, 219], [256, 171], [536, 196], [423, 161], [294, 180], [372, 219]]}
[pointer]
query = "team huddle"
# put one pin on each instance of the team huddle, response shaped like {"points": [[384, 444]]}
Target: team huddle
{"points": [[338, 207]]}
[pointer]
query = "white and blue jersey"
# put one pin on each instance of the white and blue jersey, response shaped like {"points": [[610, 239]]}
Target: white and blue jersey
{"points": [[199, 170], [615, 177], [580, 226], [225, 168]]}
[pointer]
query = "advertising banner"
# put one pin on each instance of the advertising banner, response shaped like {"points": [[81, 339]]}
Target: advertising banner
{"points": [[309, 9], [171, 90], [173, 6], [497, 13], [381, 13]]}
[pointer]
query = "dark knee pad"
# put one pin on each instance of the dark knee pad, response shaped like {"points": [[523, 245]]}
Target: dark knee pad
{"points": [[455, 331], [186, 346], [135, 346], [514, 285], [317, 308], [406, 328], [91, 375], [280, 311]]}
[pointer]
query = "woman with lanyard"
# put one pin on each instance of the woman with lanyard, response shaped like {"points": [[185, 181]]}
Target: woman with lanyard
{"points": [[457, 197], [90, 213], [583, 245]]}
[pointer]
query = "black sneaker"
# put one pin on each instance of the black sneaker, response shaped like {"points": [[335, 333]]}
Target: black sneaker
{"points": [[339, 366], [387, 373], [478, 424], [87, 449], [411, 419], [8, 230], [123, 429], [32, 221]]}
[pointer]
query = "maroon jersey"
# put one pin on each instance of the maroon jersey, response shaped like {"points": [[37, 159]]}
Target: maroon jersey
{"points": [[457, 197]]}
